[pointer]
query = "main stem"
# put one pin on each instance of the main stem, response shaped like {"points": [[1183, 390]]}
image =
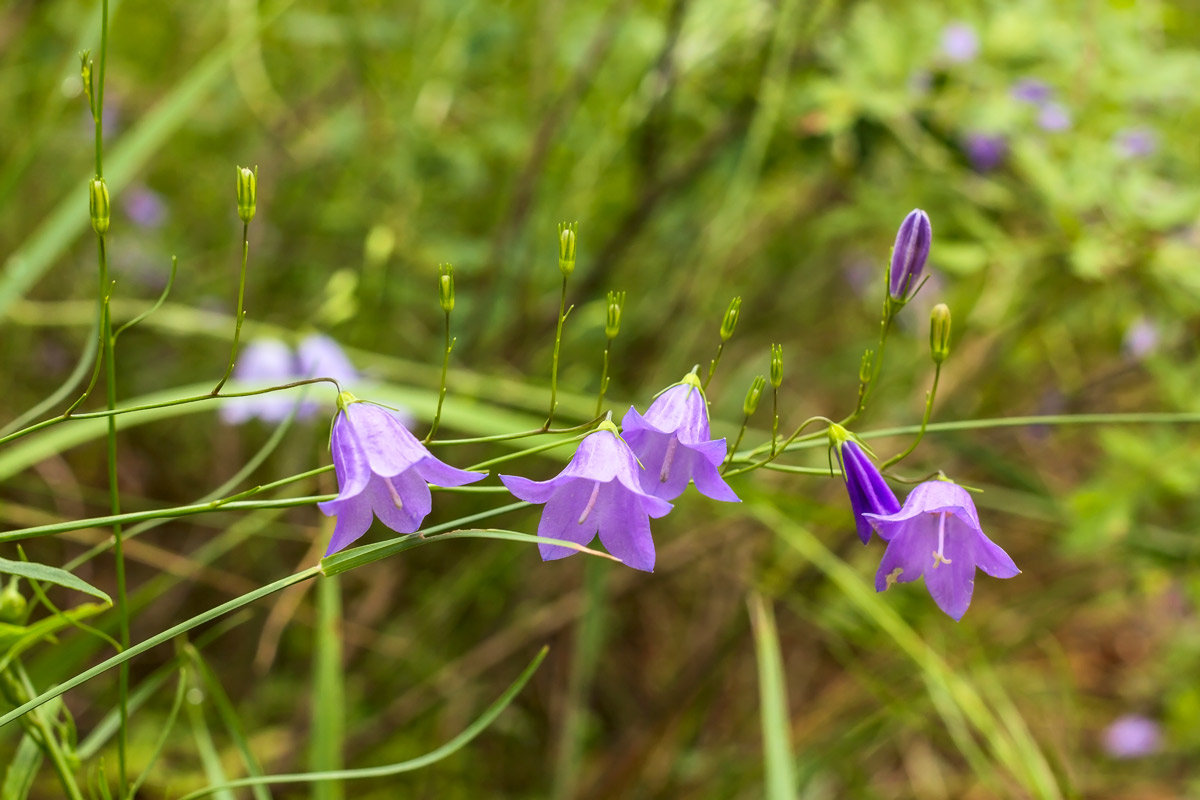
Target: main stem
{"points": [[237, 323], [562, 316]]}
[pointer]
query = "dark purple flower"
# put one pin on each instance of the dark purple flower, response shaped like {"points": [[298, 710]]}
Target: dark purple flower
{"points": [[262, 363], [599, 491], [1132, 736], [1054, 117], [145, 207], [1135, 142], [985, 151], [382, 471], [937, 534], [909, 254], [1032, 90], [869, 492], [672, 441], [960, 43]]}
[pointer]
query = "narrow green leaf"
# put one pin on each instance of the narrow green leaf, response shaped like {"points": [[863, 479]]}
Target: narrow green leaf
{"points": [[448, 749], [778, 763], [22, 769], [48, 574]]}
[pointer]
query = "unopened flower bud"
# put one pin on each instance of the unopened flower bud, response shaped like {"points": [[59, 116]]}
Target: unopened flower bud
{"points": [[446, 287], [85, 75], [729, 323], [99, 205], [909, 255], [776, 365], [247, 192], [753, 394], [12, 604], [566, 246], [612, 320], [939, 332]]}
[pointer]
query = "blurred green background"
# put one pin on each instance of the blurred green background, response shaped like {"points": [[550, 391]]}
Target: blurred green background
{"points": [[708, 148]]}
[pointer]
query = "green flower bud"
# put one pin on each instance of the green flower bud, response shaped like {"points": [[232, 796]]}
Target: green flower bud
{"points": [[446, 287], [864, 366], [85, 75], [939, 333], [776, 365], [612, 322], [99, 205], [753, 395], [731, 318], [247, 192], [12, 604], [566, 246]]}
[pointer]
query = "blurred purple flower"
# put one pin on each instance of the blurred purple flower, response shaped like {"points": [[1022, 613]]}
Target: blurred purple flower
{"points": [[909, 254], [319, 356], [382, 471], [1032, 90], [262, 363], [985, 151], [599, 491], [938, 527], [960, 43], [673, 443], [1141, 339], [1136, 142], [869, 493], [145, 207], [1132, 736], [1054, 117]]}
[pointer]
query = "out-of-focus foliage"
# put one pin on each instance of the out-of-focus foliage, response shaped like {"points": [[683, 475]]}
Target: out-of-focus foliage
{"points": [[708, 148]]}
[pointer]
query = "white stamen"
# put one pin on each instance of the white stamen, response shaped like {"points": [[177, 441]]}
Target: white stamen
{"points": [[590, 503], [893, 576], [395, 494], [667, 459], [938, 557]]}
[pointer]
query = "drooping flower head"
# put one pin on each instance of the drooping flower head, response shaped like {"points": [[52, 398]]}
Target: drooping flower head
{"points": [[869, 492], [937, 534], [909, 255], [598, 492], [1132, 736], [382, 471], [262, 363], [673, 443]]}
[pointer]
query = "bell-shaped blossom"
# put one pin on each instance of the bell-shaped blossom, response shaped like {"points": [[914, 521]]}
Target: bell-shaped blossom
{"points": [[262, 363], [598, 492], [909, 254], [869, 492], [382, 471], [1132, 736], [937, 534], [985, 151], [318, 356], [960, 42], [673, 444]]}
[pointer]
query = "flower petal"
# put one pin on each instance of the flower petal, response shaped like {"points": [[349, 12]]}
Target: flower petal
{"points": [[951, 585], [388, 446], [990, 557], [910, 550], [709, 481], [531, 491], [560, 518], [681, 410], [349, 461], [441, 474], [625, 528], [353, 520], [401, 502]]}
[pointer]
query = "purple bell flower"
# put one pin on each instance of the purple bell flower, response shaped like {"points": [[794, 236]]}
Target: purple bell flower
{"points": [[1054, 117], [985, 151], [673, 443], [318, 356], [598, 492], [1135, 142], [909, 254], [382, 471], [1132, 736], [262, 363], [937, 534], [1032, 90], [960, 43], [869, 492]]}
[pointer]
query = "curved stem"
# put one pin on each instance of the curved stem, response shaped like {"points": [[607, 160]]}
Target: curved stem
{"points": [[562, 317], [241, 315], [896, 459], [437, 416]]}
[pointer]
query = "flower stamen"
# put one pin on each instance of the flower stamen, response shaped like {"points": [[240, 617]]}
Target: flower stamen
{"points": [[396, 501], [938, 556], [590, 503], [894, 576], [668, 458]]}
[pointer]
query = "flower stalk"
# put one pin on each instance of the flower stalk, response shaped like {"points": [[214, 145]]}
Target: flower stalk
{"points": [[446, 301]]}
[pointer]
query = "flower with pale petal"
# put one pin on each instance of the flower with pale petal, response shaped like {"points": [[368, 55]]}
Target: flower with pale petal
{"points": [[937, 534], [598, 492], [673, 444], [382, 471]]}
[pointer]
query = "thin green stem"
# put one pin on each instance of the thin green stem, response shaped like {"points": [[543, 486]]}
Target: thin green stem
{"points": [[103, 310], [712, 365], [736, 443], [603, 378], [774, 451], [42, 734], [562, 317], [929, 398], [504, 437], [437, 416], [241, 314], [527, 451], [774, 419]]}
